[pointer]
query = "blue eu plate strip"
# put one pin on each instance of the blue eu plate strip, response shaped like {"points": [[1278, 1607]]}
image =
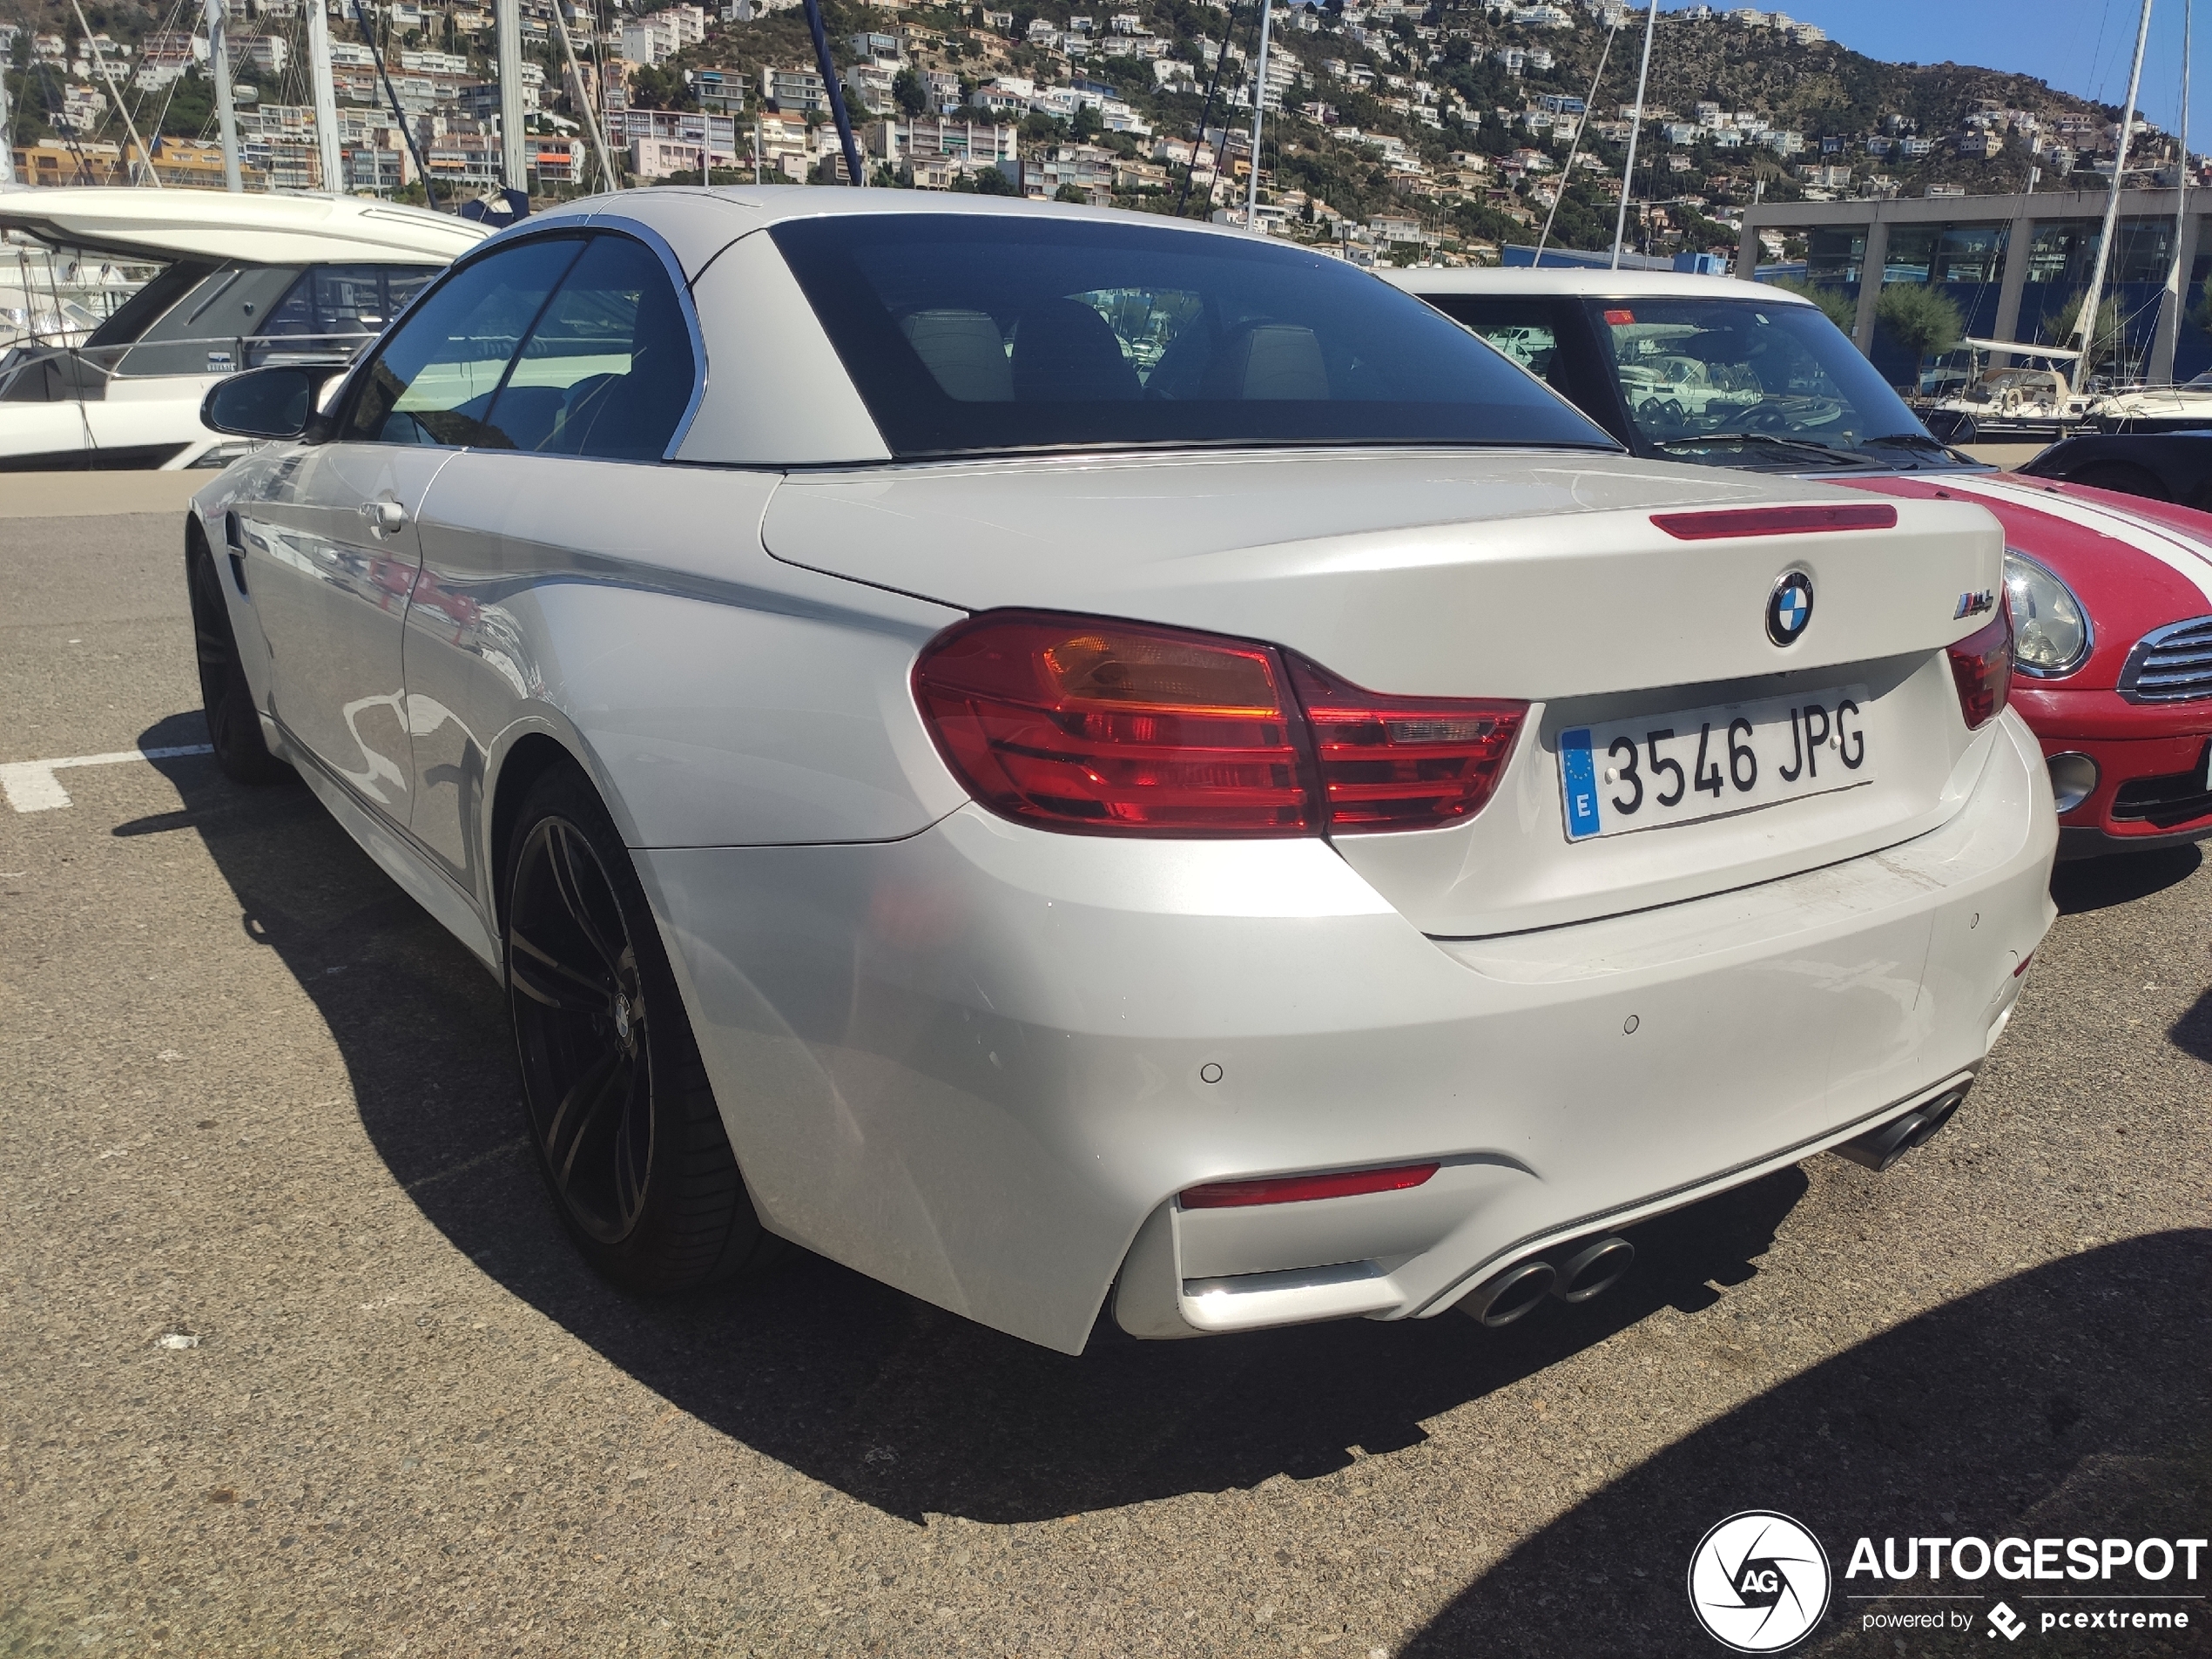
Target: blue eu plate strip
{"points": [[1579, 778]]}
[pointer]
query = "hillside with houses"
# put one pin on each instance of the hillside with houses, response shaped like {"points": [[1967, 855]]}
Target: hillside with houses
{"points": [[1392, 131]]}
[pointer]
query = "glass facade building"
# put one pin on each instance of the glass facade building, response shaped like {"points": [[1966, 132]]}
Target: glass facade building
{"points": [[2014, 265]]}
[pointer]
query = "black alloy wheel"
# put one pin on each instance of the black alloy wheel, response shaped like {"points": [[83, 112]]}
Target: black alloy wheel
{"points": [[234, 725], [628, 1136]]}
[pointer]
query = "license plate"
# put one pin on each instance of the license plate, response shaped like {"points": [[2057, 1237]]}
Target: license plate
{"points": [[1664, 769]]}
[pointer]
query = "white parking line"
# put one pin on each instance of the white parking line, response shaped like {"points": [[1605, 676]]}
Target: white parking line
{"points": [[31, 785]]}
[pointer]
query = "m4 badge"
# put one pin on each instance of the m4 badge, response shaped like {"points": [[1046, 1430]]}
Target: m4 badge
{"points": [[1972, 604]]}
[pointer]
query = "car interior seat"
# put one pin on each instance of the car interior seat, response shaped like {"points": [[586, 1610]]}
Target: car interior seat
{"points": [[1269, 362], [1064, 352], [962, 349]]}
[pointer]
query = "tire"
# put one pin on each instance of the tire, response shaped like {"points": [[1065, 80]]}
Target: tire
{"points": [[615, 1098], [2123, 476], [233, 724]]}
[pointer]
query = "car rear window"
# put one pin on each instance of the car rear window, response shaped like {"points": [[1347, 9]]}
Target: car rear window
{"points": [[969, 333]]}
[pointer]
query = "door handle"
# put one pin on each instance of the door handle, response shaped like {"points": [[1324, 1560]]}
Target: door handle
{"points": [[385, 517]]}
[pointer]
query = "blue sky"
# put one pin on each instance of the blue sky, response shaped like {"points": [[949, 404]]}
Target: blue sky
{"points": [[2080, 46]]}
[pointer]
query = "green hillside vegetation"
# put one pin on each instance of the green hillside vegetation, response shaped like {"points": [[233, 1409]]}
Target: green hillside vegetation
{"points": [[1479, 167]]}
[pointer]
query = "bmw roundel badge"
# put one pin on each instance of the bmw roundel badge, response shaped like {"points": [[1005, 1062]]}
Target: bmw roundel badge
{"points": [[1789, 608]]}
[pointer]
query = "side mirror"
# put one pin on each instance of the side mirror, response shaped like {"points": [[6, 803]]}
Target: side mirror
{"points": [[274, 402]]}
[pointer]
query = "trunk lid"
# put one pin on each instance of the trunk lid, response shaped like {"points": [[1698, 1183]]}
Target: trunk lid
{"points": [[1534, 576]]}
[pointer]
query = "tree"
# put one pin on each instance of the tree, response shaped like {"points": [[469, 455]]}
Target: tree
{"points": [[1070, 193], [1919, 319], [989, 181], [913, 98], [1839, 307], [2200, 313], [2059, 329], [659, 89]]}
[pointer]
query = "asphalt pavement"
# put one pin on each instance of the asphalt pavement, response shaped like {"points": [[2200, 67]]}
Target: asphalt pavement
{"points": [[294, 1359]]}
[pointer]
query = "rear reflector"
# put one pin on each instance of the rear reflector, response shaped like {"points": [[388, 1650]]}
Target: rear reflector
{"points": [[1077, 723], [1299, 1189], [2025, 960], [1775, 521], [1982, 665]]}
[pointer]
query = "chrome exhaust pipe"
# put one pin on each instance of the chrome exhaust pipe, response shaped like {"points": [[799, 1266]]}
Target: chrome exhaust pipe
{"points": [[1879, 1148], [1594, 1269], [1503, 1298]]}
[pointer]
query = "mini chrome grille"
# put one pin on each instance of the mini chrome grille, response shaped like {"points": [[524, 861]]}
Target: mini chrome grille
{"points": [[2172, 664]]}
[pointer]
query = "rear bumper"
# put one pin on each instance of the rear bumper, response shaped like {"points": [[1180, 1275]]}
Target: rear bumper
{"points": [[979, 1063], [2151, 787]]}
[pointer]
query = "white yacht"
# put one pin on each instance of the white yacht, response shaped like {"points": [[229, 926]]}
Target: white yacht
{"points": [[2021, 397], [2185, 407], [236, 280]]}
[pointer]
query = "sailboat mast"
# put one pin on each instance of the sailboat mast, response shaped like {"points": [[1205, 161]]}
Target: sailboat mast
{"points": [[1567, 175], [1259, 107], [2169, 313], [1629, 172], [107, 77], [507, 20], [334, 164], [2086, 329], [218, 59], [608, 176]]}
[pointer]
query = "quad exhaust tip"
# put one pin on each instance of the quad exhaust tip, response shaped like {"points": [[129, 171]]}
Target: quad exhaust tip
{"points": [[1594, 1269], [1578, 1273], [1879, 1148]]}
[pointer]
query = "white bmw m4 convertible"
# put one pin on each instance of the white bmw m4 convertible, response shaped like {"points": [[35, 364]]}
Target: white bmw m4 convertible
{"points": [[1081, 764]]}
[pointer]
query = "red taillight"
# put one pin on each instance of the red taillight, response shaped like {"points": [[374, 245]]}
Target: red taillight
{"points": [[1298, 1189], [1982, 663], [1081, 724], [1075, 723], [1403, 762], [1774, 521]]}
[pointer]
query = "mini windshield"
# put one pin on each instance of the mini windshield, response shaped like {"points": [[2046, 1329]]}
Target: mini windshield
{"points": [[1735, 382], [969, 333]]}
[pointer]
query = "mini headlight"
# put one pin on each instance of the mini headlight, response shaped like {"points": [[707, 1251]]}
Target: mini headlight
{"points": [[2050, 627]]}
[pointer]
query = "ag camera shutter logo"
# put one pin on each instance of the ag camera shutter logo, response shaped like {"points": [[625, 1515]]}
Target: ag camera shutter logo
{"points": [[1759, 1582]]}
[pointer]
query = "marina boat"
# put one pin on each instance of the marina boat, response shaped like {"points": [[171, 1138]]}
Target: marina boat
{"points": [[2185, 407], [2027, 399], [51, 298], [230, 282]]}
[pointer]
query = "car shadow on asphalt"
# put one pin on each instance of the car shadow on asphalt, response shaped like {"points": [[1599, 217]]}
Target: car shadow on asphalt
{"points": [[2099, 884], [2069, 1401], [897, 1402]]}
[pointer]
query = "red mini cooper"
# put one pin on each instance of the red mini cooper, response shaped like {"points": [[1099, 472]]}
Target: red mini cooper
{"points": [[2111, 595]]}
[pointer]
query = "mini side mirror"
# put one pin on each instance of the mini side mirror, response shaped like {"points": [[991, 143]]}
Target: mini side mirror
{"points": [[278, 402]]}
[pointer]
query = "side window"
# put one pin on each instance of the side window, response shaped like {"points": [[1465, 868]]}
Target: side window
{"points": [[338, 307], [435, 378], [609, 369], [1525, 331]]}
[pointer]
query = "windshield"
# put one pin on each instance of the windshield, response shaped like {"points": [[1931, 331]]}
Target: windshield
{"points": [[996, 333], [1738, 383]]}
